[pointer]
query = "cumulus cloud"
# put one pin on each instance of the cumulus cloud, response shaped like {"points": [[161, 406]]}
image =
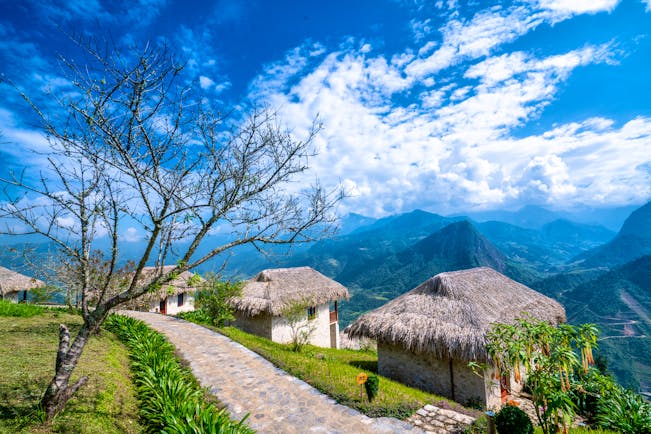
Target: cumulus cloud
{"points": [[435, 129], [205, 82], [432, 125], [579, 6]]}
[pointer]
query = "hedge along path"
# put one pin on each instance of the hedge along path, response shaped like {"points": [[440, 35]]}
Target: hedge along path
{"points": [[247, 383]]}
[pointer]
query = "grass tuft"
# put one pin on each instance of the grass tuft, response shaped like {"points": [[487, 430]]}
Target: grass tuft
{"points": [[20, 310]]}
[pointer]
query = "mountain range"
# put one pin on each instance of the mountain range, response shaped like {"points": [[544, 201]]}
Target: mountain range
{"points": [[599, 275]]}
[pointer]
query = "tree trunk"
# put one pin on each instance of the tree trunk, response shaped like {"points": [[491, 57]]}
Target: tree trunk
{"points": [[59, 391]]}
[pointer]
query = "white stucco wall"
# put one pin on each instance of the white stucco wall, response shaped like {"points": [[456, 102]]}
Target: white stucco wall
{"points": [[335, 337], [426, 372], [282, 332], [172, 304], [277, 328]]}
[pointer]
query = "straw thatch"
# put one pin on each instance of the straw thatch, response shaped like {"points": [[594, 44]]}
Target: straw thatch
{"points": [[13, 282], [274, 290], [449, 314], [177, 286]]}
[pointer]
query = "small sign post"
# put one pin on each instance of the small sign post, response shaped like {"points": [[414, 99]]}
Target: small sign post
{"points": [[361, 379]]}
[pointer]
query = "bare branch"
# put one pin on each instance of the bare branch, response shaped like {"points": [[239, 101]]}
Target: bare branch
{"points": [[136, 145]]}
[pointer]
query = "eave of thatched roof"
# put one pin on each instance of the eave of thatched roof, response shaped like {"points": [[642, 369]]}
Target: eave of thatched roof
{"points": [[177, 286], [274, 290], [449, 314], [11, 281]]}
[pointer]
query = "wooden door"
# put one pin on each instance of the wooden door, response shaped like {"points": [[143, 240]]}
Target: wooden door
{"points": [[163, 306]]}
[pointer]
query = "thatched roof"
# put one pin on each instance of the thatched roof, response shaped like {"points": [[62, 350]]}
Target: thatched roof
{"points": [[449, 314], [176, 286], [274, 290], [11, 281]]}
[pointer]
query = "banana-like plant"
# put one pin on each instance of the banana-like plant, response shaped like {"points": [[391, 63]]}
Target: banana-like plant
{"points": [[548, 356]]}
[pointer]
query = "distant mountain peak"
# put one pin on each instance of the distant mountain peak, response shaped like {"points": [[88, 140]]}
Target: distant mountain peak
{"points": [[632, 241], [638, 223], [461, 245]]}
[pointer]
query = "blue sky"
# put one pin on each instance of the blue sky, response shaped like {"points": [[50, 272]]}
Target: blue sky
{"points": [[446, 106]]}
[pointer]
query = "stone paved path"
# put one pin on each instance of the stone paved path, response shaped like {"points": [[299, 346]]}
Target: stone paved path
{"points": [[246, 383]]}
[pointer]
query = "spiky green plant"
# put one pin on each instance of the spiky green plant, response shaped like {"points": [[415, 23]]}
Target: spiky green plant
{"points": [[171, 400], [625, 411]]}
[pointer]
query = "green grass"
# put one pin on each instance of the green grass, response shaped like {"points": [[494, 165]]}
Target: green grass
{"points": [[7, 308], [333, 372], [106, 404]]}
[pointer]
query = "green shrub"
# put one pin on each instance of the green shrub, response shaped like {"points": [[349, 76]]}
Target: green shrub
{"points": [[479, 426], [593, 387], [624, 411], [198, 316], [7, 308], [372, 386], [213, 298], [548, 355], [171, 400], [512, 420]]}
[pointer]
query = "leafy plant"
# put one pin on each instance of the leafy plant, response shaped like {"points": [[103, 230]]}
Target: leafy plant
{"points": [[549, 357], [171, 399], [42, 294], [479, 426], [213, 299], [512, 420], [625, 411], [592, 388], [301, 327], [198, 316], [372, 386]]}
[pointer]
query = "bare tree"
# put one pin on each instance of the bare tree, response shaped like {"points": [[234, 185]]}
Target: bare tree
{"points": [[135, 143]]}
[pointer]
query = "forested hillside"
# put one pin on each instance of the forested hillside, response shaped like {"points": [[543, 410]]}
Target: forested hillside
{"points": [[600, 276]]}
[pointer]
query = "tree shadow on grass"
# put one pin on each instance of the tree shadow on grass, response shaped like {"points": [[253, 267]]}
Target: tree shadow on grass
{"points": [[367, 365], [20, 416], [19, 404]]}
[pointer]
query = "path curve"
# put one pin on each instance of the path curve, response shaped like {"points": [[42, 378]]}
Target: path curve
{"points": [[247, 383]]}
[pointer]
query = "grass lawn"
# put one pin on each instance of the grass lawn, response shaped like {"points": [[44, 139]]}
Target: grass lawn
{"points": [[333, 372], [106, 404]]}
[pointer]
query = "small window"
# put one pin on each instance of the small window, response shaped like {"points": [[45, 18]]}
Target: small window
{"points": [[311, 312], [180, 300]]}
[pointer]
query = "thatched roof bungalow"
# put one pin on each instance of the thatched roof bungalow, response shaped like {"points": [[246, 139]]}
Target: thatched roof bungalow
{"points": [[13, 283], [173, 297], [265, 299], [427, 336]]}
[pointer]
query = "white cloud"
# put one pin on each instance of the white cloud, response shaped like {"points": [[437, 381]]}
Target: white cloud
{"points": [[475, 38], [131, 235], [205, 82], [221, 87], [451, 148], [648, 4], [579, 6], [545, 179], [431, 126]]}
